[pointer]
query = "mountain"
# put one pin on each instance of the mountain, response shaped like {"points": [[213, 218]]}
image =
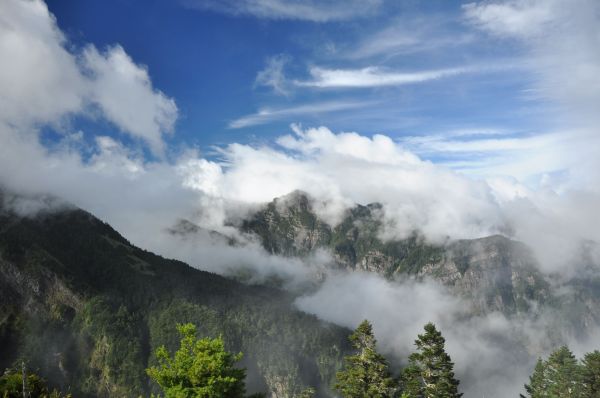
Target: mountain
{"points": [[493, 273], [86, 309]]}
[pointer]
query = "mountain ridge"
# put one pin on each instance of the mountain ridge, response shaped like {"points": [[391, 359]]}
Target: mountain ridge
{"points": [[493, 273], [87, 308]]}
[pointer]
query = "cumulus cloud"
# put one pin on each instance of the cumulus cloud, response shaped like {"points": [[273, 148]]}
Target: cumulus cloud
{"points": [[311, 10], [143, 198], [124, 93], [41, 82], [347, 168]]}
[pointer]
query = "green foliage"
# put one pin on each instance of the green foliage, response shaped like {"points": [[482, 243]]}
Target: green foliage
{"points": [[366, 373], [562, 376], [95, 309], [307, 393], [201, 368], [11, 386], [430, 372], [537, 383], [590, 375]]}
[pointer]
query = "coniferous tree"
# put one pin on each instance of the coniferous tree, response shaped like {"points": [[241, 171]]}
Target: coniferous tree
{"points": [[201, 368], [430, 372], [560, 376], [563, 374], [590, 375], [365, 374], [16, 383], [537, 381]]}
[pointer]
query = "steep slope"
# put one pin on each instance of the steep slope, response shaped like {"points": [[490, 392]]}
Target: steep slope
{"points": [[494, 273], [87, 309]]}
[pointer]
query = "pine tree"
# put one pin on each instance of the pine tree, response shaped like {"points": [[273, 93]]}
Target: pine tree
{"points": [[563, 374], [560, 376], [590, 375], [200, 368], [365, 374], [430, 372], [537, 381]]}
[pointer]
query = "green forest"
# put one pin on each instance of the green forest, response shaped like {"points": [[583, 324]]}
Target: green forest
{"points": [[202, 368]]}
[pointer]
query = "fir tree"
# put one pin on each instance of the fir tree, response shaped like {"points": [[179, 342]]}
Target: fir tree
{"points": [[365, 374], [563, 374], [590, 375], [201, 368], [430, 372], [537, 381], [560, 376]]}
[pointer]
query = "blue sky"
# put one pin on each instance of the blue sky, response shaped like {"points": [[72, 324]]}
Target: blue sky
{"points": [[463, 119], [208, 60]]}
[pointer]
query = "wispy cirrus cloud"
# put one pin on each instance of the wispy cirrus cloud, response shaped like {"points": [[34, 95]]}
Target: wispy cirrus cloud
{"points": [[266, 115], [405, 36], [373, 77], [561, 40], [273, 75], [307, 10]]}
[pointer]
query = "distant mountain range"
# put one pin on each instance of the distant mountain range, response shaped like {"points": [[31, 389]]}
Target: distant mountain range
{"points": [[494, 273], [87, 309]]}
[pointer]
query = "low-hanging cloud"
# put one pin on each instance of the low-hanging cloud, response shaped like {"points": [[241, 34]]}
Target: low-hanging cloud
{"points": [[143, 199], [493, 354]]}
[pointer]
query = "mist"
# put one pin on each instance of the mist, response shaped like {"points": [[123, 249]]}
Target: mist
{"points": [[540, 189], [493, 354]]}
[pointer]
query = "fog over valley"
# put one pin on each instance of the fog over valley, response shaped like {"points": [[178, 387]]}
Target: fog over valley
{"points": [[316, 164]]}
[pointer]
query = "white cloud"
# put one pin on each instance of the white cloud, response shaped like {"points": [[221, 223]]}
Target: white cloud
{"points": [[561, 39], [338, 169], [266, 115], [342, 169], [347, 168], [489, 352], [409, 35], [273, 75], [42, 82], [308, 10], [372, 77], [124, 93], [513, 17], [39, 79]]}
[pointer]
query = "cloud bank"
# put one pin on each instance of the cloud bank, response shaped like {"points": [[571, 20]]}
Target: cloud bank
{"points": [[339, 169], [493, 354], [143, 198]]}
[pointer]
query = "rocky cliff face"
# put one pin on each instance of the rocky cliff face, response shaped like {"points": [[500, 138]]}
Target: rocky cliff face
{"points": [[288, 226], [494, 273]]}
